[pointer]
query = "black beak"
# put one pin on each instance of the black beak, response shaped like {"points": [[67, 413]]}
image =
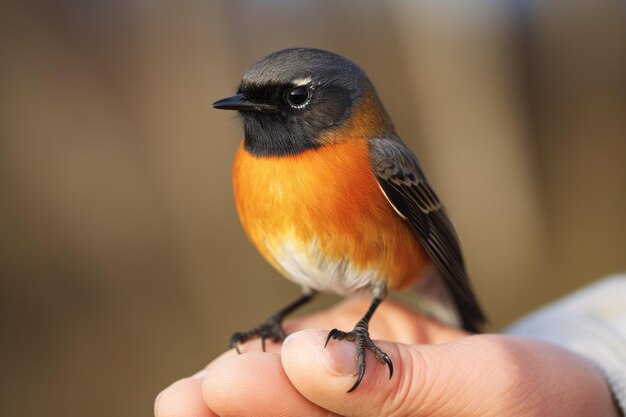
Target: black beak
{"points": [[239, 102]]}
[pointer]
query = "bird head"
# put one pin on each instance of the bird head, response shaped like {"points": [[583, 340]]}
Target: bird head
{"points": [[299, 99]]}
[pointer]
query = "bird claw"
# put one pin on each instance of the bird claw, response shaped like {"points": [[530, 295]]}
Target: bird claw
{"points": [[334, 334], [235, 339], [389, 364], [272, 329], [360, 336]]}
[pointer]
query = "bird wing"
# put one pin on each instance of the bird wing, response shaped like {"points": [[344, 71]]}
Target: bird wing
{"points": [[404, 184]]}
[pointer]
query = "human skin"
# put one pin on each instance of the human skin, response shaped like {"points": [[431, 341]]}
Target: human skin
{"points": [[439, 371]]}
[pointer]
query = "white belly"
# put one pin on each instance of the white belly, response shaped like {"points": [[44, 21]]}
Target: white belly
{"points": [[307, 266]]}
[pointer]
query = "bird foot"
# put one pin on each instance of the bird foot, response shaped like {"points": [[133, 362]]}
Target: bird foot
{"points": [[361, 338], [271, 329]]}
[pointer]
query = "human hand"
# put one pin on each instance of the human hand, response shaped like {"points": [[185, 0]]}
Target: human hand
{"points": [[440, 371]]}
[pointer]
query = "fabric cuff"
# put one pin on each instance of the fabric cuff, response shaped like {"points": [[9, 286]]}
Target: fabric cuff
{"points": [[592, 323]]}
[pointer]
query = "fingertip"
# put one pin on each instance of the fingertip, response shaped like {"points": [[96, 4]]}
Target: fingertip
{"points": [[182, 399], [224, 378], [249, 384], [325, 375], [398, 385]]}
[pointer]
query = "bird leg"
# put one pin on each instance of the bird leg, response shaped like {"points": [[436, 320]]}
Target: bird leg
{"points": [[272, 328], [361, 337]]}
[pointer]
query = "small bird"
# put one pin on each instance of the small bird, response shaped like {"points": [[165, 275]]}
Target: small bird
{"points": [[335, 201]]}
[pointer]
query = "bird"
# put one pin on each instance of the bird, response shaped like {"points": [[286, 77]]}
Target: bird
{"points": [[333, 199]]}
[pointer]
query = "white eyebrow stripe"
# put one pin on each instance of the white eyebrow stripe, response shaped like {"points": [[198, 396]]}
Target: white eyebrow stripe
{"points": [[302, 81]]}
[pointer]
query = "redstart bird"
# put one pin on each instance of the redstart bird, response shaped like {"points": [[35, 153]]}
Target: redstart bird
{"points": [[333, 199]]}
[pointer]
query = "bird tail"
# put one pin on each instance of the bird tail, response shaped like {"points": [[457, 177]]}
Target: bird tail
{"points": [[438, 302]]}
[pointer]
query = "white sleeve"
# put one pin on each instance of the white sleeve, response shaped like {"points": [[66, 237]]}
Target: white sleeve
{"points": [[590, 322]]}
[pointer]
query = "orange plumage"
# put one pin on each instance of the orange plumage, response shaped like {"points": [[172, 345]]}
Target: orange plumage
{"points": [[329, 195]]}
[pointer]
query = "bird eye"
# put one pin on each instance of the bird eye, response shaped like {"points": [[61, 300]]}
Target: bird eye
{"points": [[297, 96]]}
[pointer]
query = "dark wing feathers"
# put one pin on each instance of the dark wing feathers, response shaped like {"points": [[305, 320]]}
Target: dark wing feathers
{"points": [[406, 188]]}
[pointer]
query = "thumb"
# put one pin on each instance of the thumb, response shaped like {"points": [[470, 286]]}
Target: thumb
{"points": [[433, 380]]}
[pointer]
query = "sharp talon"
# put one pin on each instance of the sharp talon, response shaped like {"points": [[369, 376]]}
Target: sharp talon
{"points": [[330, 335], [234, 340], [263, 337], [389, 364], [234, 345], [358, 380]]}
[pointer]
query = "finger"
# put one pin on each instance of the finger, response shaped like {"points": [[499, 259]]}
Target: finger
{"points": [[433, 380], [183, 399], [393, 321], [254, 384]]}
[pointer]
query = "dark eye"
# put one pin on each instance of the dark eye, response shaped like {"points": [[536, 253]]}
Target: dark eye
{"points": [[297, 96]]}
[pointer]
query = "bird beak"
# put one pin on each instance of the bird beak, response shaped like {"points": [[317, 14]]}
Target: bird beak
{"points": [[239, 102]]}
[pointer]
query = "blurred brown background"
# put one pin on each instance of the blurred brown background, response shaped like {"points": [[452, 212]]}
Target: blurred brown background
{"points": [[122, 263]]}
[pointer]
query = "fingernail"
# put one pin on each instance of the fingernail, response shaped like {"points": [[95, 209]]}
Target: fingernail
{"points": [[337, 358]]}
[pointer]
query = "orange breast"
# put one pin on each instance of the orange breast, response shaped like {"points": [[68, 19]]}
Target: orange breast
{"points": [[328, 199]]}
